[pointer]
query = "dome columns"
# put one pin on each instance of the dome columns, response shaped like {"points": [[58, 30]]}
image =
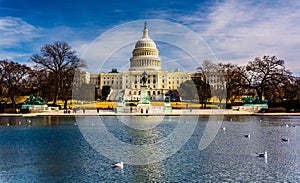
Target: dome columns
{"points": [[145, 55]]}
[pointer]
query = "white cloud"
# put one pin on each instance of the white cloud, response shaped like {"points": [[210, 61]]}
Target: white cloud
{"points": [[236, 31], [239, 31], [177, 44], [15, 35], [15, 30], [20, 40]]}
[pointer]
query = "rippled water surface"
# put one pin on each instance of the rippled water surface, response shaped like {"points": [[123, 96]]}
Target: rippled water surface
{"points": [[52, 149]]}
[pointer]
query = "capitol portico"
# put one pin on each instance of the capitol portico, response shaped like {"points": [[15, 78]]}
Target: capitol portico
{"points": [[145, 58]]}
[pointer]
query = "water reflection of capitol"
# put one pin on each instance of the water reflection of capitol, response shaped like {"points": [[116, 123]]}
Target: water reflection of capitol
{"points": [[145, 57]]}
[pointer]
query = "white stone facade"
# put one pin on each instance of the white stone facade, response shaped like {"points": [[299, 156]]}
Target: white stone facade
{"points": [[127, 84]]}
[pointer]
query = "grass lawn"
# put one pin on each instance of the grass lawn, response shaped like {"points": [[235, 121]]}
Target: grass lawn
{"points": [[110, 105]]}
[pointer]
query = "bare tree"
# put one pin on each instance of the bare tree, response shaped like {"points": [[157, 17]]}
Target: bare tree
{"points": [[213, 75], [188, 90], [66, 88], [13, 78], [59, 60], [234, 81], [203, 90], [266, 74], [3, 73], [41, 84]]}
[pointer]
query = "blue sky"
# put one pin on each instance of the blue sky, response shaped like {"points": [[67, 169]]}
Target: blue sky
{"points": [[234, 31]]}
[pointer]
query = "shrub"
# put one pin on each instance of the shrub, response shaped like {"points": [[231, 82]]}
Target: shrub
{"points": [[274, 110], [10, 110]]}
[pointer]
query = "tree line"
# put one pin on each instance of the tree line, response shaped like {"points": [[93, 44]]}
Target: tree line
{"points": [[50, 77], [264, 77], [53, 69]]}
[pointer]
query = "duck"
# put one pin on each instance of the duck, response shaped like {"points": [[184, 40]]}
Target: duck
{"points": [[247, 135], [285, 139], [263, 155]]}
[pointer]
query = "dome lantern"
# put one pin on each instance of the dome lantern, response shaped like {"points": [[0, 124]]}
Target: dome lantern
{"points": [[145, 32]]}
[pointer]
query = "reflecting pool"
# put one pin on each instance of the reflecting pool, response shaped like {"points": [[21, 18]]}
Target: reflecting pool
{"points": [[53, 149]]}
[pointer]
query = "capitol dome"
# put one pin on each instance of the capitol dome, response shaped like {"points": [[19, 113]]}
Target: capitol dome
{"points": [[145, 54]]}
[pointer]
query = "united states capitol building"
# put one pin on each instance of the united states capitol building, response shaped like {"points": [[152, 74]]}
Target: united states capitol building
{"points": [[145, 58]]}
